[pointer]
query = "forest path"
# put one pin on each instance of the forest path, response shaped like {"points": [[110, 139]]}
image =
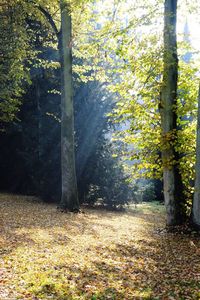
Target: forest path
{"points": [[45, 254]]}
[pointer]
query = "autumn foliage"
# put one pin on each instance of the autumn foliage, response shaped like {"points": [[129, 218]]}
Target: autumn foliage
{"points": [[46, 254]]}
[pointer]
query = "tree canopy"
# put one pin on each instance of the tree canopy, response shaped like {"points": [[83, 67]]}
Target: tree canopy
{"points": [[120, 45]]}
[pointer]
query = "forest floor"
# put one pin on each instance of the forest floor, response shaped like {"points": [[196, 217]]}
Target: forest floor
{"points": [[46, 254]]}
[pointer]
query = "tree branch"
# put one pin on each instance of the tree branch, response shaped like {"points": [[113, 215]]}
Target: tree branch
{"points": [[50, 20]]}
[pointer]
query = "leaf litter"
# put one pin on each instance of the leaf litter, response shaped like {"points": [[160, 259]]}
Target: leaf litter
{"points": [[46, 254]]}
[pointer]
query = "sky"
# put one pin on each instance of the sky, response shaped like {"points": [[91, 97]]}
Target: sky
{"points": [[186, 12]]}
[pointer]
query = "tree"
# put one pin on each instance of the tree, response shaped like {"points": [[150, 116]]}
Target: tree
{"points": [[173, 188], [69, 183], [14, 54], [69, 198], [196, 199]]}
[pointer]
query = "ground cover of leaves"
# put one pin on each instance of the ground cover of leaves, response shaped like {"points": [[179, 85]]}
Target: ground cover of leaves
{"points": [[46, 254]]}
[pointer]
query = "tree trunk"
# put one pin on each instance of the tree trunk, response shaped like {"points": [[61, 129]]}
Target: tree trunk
{"points": [[173, 188], [38, 95], [69, 198], [196, 199]]}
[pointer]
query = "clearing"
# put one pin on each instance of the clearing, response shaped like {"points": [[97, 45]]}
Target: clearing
{"points": [[45, 254]]}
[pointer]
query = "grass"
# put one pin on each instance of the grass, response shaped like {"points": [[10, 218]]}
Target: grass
{"points": [[45, 254]]}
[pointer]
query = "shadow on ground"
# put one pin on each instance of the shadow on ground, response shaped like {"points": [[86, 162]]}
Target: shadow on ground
{"points": [[96, 255]]}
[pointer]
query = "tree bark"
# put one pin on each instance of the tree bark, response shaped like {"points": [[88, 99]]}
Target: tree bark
{"points": [[69, 199], [173, 187], [196, 199]]}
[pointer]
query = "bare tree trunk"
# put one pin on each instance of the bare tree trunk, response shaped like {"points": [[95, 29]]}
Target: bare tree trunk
{"points": [[173, 188], [38, 94], [196, 199], [69, 198]]}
